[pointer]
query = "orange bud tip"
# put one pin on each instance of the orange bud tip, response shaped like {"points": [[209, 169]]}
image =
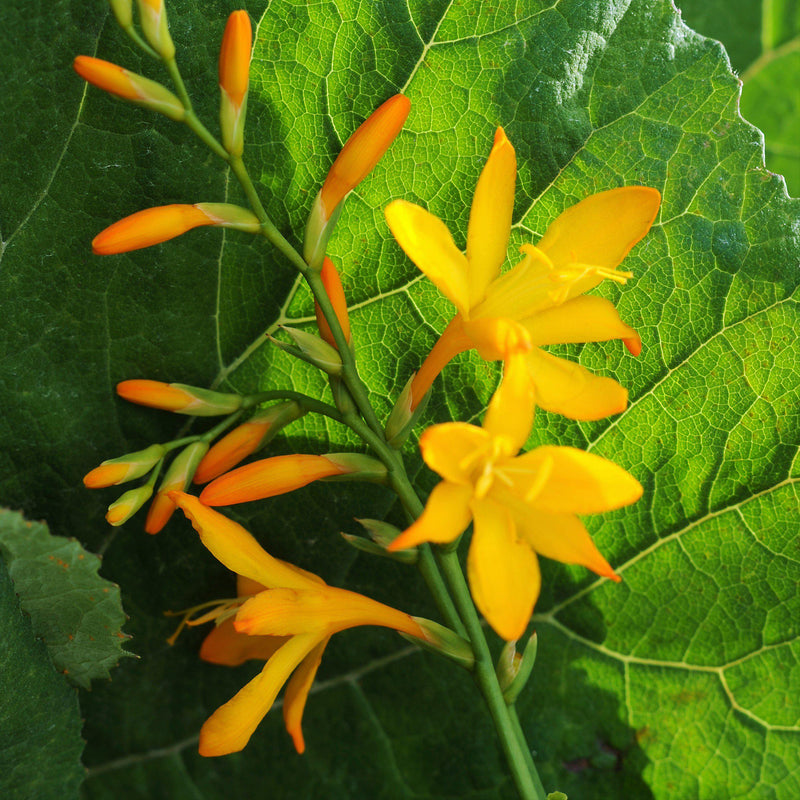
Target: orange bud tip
{"points": [[149, 227], [634, 345], [155, 394], [106, 475], [234, 56], [161, 509], [335, 291], [116, 514]]}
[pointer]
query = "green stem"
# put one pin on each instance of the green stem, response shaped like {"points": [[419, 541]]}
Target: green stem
{"points": [[456, 604], [518, 756]]}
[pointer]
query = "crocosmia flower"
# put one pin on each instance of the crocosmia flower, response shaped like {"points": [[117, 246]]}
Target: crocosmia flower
{"points": [[296, 606], [520, 505], [544, 293]]}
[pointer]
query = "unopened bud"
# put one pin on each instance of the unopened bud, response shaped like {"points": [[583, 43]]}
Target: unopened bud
{"points": [[360, 154], [246, 439], [281, 474], [162, 223], [382, 533], [179, 398], [403, 418], [123, 11], [513, 669], [374, 549], [125, 468], [234, 79], [444, 641], [178, 477], [313, 350], [129, 86], [127, 505], [153, 18], [335, 291]]}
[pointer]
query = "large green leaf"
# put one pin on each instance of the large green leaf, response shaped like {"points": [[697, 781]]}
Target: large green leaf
{"points": [[763, 41], [680, 683]]}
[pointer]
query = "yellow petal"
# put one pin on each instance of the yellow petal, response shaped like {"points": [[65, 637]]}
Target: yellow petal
{"points": [[522, 291], [601, 230], [496, 338], [510, 412], [490, 217], [428, 243], [503, 572], [444, 519], [296, 694], [287, 612], [452, 449], [230, 727], [583, 319], [231, 544], [567, 388], [562, 537], [579, 482], [226, 646]]}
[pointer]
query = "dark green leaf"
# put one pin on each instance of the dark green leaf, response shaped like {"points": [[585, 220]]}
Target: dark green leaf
{"points": [[40, 724], [75, 612]]}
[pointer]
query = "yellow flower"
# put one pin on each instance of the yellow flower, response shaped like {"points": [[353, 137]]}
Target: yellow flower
{"points": [[543, 293], [296, 606], [520, 505]]}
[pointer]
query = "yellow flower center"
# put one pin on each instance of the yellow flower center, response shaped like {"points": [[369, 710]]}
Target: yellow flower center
{"points": [[488, 463], [536, 284]]}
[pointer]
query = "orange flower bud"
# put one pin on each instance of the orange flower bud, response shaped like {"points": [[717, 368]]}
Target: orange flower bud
{"points": [[234, 57], [125, 468], [363, 150], [155, 225], [178, 477], [153, 18], [268, 478], [234, 79], [245, 440], [335, 292], [127, 505], [178, 397], [129, 86], [360, 154]]}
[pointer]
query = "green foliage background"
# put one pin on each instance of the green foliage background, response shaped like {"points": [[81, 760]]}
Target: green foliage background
{"points": [[680, 683]]}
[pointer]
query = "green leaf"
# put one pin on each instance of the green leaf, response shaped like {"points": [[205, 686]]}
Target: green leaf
{"points": [[40, 724], [75, 612], [680, 683], [763, 42]]}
